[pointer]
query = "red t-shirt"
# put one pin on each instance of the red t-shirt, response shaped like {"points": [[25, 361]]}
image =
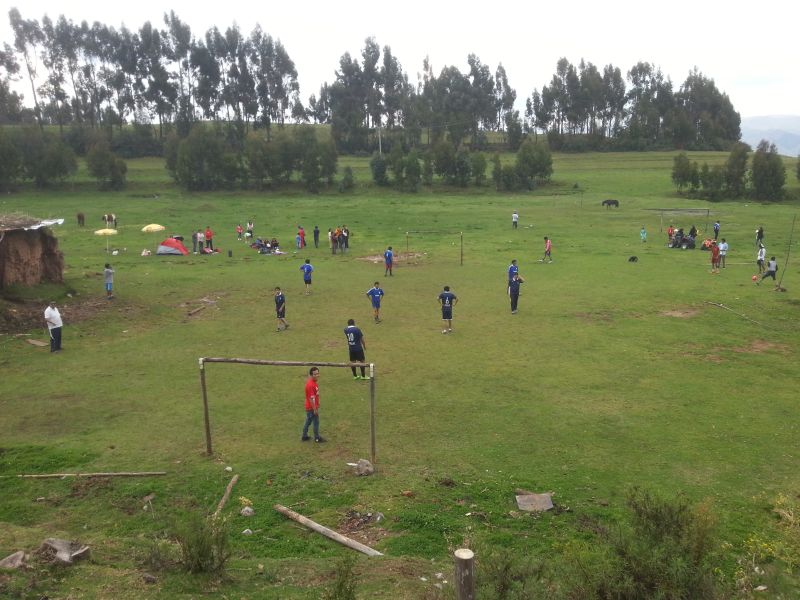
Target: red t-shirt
{"points": [[312, 394], [714, 252], [209, 234]]}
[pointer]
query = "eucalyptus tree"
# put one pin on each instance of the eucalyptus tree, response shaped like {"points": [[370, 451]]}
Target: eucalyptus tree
{"points": [[120, 78], [614, 95], [319, 109], [158, 92], [650, 101], [504, 96], [767, 172], [177, 46], [276, 86], [714, 120], [208, 76], [371, 82], [53, 55], [593, 95], [348, 106], [396, 88], [27, 39], [10, 102], [482, 98]]}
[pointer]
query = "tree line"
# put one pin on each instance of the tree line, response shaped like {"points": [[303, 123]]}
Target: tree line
{"points": [[95, 75]]}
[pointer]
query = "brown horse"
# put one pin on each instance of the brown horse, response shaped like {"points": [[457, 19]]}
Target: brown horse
{"points": [[81, 219]]}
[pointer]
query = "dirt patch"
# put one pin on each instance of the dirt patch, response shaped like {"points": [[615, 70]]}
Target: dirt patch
{"points": [[408, 258], [759, 346], [86, 486], [680, 313], [595, 317], [20, 316], [362, 527]]}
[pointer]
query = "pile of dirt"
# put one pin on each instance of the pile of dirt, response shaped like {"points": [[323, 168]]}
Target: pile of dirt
{"points": [[23, 316], [29, 258], [404, 257]]}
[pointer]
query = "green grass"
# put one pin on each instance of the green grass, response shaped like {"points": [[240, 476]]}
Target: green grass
{"points": [[589, 390]]}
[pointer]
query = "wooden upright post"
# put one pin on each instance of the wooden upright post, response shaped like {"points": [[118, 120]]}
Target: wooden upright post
{"points": [[205, 407], [462, 248], [465, 574], [372, 412]]}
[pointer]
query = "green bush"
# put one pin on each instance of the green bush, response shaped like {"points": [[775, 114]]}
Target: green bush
{"points": [[105, 166], [379, 169], [203, 543], [348, 181], [10, 163]]}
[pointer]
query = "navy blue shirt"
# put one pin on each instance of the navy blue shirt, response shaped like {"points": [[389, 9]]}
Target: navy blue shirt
{"points": [[307, 269], [353, 335], [447, 298], [279, 300], [513, 286]]}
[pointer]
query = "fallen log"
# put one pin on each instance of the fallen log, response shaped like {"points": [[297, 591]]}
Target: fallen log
{"points": [[62, 475], [328, 533], [227, 495]]}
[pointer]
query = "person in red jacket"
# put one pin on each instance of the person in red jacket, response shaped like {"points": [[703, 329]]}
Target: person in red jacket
{"points": [[209, 238], [312, 406], [302, 233]]}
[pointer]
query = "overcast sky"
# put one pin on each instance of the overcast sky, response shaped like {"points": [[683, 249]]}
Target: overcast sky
{"points": [[750, 52]]}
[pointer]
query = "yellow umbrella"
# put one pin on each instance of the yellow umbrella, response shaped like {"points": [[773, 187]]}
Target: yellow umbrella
{"points": [[106, 232], [153, 227]]}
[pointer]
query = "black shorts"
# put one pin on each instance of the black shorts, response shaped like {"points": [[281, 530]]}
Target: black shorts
{"points": [[280, 314], [447, 314], [357, 355]]}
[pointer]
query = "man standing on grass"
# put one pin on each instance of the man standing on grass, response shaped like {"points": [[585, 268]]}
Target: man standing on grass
{"points": [[375, 294], [307, 269], [356, 344], [761, 257], [388, 261], [448, 300], [209, 235], [723, 251], [643, 235], [513, 291], [316, 236], [280, 309], [716, 229], [312, 406], [54, 324], [514, 219], [108, 280], [714, 258], [548, 249]]}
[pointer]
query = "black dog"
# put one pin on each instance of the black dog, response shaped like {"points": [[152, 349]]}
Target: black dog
{"points": [[610, 202], [633, 259]]}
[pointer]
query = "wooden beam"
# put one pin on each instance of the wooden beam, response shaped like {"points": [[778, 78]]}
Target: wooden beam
{"points": [[62, 475], [328, 533], [227, 495]]}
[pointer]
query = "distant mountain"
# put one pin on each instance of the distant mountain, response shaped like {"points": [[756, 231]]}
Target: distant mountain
{"points": [[781, 130]]}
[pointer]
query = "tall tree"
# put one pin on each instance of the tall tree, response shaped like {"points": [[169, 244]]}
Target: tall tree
{"points": [[713, 118], [768, 172], [10, 102], [504, 95], [27, 39], [371, 82]]}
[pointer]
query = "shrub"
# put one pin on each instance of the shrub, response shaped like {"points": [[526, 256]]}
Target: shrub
{"points": [[203, 543], [107, 168], [344, 585], [45, 159], [10, 163], [378, 167], [479, 168], [348, 181], [199, 164], [413, 172]]}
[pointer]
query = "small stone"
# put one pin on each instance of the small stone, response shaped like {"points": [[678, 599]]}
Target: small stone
{"points": [[41, 499], [13, 561], [147, 578], [364, 467], [379, 516], [247, 532], [247, 511], [408, 493], [761, 588], [439, 575], [229, 469]]}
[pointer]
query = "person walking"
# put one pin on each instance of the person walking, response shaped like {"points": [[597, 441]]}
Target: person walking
{"points": [[209, 235], [330, 241], [375, 294], [108, 280], [356, 344], [388, 262], [548, 250], [772, 270], [54, 324], [514, 219], [239, 232], [714, 258], [643, 234], [448, 300], [316, 236], [280, 309], [307, 269], [312, 406], [759, 237], [760, 257], [723, 252], [513, 291], [302, 233], [196, 240], [716, 229], [346, 235]]}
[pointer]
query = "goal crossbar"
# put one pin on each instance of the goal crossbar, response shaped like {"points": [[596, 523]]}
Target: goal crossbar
{"points": [[287, 363]]}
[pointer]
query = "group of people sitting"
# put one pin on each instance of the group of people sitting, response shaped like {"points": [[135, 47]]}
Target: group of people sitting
{"points": [[676, 236], [266, 246]]}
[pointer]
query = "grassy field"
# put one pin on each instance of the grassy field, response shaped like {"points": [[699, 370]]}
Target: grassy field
{"points": [[613, 374]]}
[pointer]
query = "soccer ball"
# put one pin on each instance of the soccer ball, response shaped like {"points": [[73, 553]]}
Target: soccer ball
{"points": [[755, 278]]}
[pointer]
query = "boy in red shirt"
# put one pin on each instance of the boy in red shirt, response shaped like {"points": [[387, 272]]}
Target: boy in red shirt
{"points": [[312, 406], [209, 238]]}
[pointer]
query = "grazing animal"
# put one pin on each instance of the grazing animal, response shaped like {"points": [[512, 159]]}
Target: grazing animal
{"points": [[81, 219], [633, 259], [110, 219], [611, 202]]}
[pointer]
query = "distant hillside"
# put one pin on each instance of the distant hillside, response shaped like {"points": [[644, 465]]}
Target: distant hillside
{"points": [[781, 130]]}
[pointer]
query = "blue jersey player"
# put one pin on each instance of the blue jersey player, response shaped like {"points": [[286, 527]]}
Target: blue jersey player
{"points": [[307, 269], [388, 261], [375, 294], [356, 344], [448, 300]]}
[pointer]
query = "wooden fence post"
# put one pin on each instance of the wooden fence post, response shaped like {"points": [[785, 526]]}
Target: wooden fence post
{"points": [[465, 574]]}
